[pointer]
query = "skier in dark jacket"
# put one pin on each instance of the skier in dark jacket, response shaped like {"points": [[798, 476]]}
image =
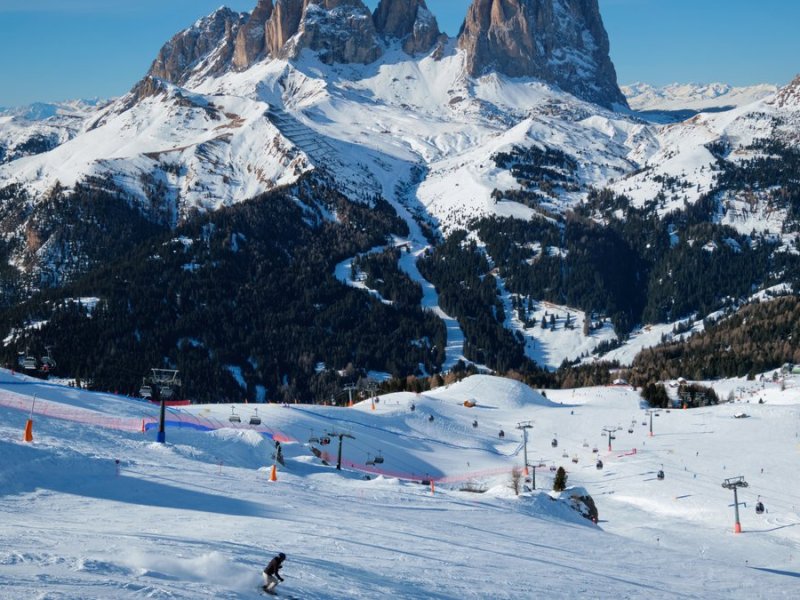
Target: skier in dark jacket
{"points": [[271, 572]]}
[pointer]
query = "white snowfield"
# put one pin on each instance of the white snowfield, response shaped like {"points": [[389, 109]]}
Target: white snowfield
{"points": [[197, 517]]}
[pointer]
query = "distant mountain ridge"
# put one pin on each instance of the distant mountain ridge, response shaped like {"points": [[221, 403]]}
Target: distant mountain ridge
{"points": [[693, 96]]}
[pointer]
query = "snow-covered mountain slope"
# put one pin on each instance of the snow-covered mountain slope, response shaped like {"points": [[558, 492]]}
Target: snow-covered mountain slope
{"points": [[40, 127], [682, 168], [389, 117], [693, 96], [160, 143], [93, 511]]}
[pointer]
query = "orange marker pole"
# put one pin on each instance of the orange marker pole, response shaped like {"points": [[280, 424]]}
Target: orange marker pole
{"points": [[28, 435]]}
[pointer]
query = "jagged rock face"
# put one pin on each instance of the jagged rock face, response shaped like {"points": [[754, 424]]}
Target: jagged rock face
{"points": [[208, 45], [409, 21], [789, 96], [562, 42], [251, 41], [284, 23], [340, 31]]}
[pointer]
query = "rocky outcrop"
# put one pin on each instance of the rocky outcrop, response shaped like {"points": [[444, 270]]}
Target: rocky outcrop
{"points": [[340, 31], [251, 41], [562, 42], [284, 23], [207, 47], [789, 96], [409, 21]]}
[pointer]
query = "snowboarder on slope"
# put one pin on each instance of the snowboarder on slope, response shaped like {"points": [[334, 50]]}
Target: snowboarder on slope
{"points": [[271, 574]]}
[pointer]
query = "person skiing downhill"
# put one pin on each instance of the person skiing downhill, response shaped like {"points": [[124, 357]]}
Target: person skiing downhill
{"points": [[271, 573]]}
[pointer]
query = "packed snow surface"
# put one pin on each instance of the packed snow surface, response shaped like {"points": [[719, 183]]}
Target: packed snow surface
{"points": [[94, 508]]}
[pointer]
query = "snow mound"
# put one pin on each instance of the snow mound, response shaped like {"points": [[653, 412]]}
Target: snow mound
{"points": [[487, 391]]}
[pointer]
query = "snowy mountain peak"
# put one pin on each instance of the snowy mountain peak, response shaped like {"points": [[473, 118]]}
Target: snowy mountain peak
{"points": [[562, 42], [789, 96], [206, 47], [340, 31]]}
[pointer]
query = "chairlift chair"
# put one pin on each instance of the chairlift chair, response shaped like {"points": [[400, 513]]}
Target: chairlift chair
{"points": [[167, 392], [254, 418], [585, 444], [146, 391], [554, 443], [759, 507], [575, 459], [29, 363], [599, 464], [595, 450], [234, 418], [630, 429], [378, 460], [660, 474], [565, 454]]}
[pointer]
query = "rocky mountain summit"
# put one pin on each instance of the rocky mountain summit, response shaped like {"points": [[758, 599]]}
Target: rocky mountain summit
{"points": [[558, 41], [208, 46], [562, 42], [409, 21], [340, 31], [789, 96]]}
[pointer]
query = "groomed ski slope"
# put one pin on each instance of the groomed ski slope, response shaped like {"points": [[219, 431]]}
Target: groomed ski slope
{"points": [[198, 517]]}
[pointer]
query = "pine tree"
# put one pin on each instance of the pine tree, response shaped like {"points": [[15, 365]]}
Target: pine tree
{"points": [[560, 481]]}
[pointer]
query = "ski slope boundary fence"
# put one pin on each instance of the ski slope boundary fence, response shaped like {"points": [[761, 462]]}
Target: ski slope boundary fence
{"points": [[147, 422], [180, 420]]}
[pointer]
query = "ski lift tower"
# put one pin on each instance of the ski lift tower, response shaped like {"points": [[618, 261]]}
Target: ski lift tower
{"points": [[734, 483], [524, 426], [164, 379], [609, 431], [651, 412], [341, 435]]}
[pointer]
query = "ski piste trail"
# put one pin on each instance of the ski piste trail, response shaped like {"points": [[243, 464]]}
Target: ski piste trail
{"points": [[91, 509]]}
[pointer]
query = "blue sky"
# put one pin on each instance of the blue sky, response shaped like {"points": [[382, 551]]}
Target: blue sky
{"points": [[62, 49]]}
